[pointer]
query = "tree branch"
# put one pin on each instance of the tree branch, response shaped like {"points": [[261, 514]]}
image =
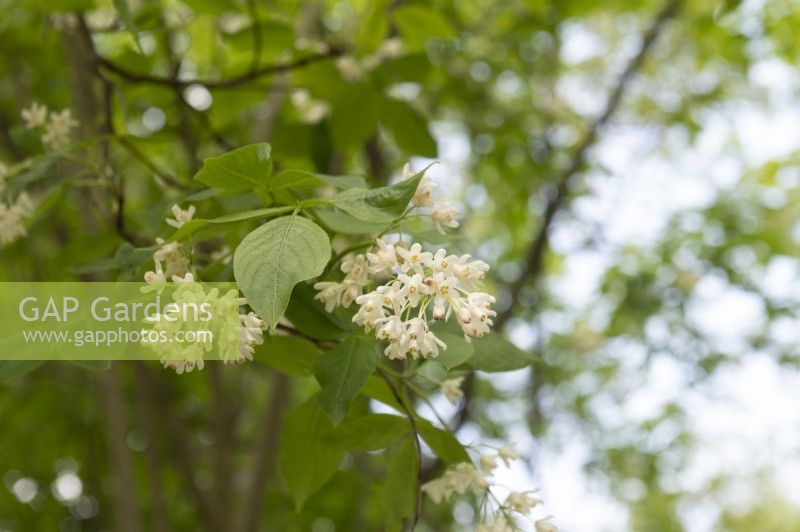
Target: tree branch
{"points": [[417, 447], [265, 452], [235, 81], [560, 196]]}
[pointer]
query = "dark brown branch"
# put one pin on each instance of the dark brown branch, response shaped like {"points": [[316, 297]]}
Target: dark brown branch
{"points": [[534, 258], [251, 75]]}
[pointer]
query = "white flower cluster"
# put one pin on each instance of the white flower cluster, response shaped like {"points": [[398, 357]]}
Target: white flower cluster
{"points": [[12, 218], [419, 280], [57, 125], [466, 477], [245, 331], [442, 213]]}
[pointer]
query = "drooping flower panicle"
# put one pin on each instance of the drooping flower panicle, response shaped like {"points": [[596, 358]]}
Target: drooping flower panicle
{"points": [[421, 286]]}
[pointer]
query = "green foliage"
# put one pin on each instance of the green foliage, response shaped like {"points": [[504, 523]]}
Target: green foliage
{"points": [[378, 205], [275, 257], [240, 170], [309, 452], [342, 373]]}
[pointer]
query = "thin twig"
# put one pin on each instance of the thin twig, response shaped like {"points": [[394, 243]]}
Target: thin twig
{"points": [[560, 196], [417, 447], [235, 81]]}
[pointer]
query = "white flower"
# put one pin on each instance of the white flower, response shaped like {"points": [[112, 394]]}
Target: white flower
{"points": [[371, 310], [521, 502], [181, 216], [475, 316], [250, 335], [173, 256], [451, 388], [35, 115], [184, 366], [457, 480], [188, 278], [544, 525], [383, 259], [497, 524], [390, 328], [488, 462], [444, 215], [330, 294], [57, 129], [413, 258], [350, 69], [423, 197], [413, 288], [508, 453], [12, 218], [157, 276]]}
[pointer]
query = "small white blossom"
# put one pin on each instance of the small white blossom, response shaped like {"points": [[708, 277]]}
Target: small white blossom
{"points": [[444, 215], [330, 294], [457, 480], [173, 256], [35, 115], [12, 218], [413, 258], [521, 502], [181, 216], [57, 129], [451, 388], [488, 462], [508, 453], [383, 259], [250, 335], [544, 525], [497, 524], [350, 68]]}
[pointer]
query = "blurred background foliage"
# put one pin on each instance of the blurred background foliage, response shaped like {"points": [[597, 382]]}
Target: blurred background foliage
{"points": [[548, 118]]}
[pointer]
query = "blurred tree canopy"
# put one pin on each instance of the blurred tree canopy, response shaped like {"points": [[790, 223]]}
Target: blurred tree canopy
{"points": [[519, 100]]}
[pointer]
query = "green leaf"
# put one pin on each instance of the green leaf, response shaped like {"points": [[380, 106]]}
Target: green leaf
{"points": [[458, 349], [418, 23], [275, 257], [240, 170], [372, 432], [10, 369], [493, 353], [309, 453], [408, 128], [376, 388], [341, 222], [342, 372], [195, 225], [310, 317], [289, 354], [378, 205], [299, 178], [125, 14], [442, 442], [355, 115], [400, 486]]}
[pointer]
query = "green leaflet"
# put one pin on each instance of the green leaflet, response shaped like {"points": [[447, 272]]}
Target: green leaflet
{"points": [[493, 353], [400, 486], [309, 453], [289, 354], [408, 127], [342, 372], [240, 170], [275, 257], [379, 205], [442, 442], [372, 432]]}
